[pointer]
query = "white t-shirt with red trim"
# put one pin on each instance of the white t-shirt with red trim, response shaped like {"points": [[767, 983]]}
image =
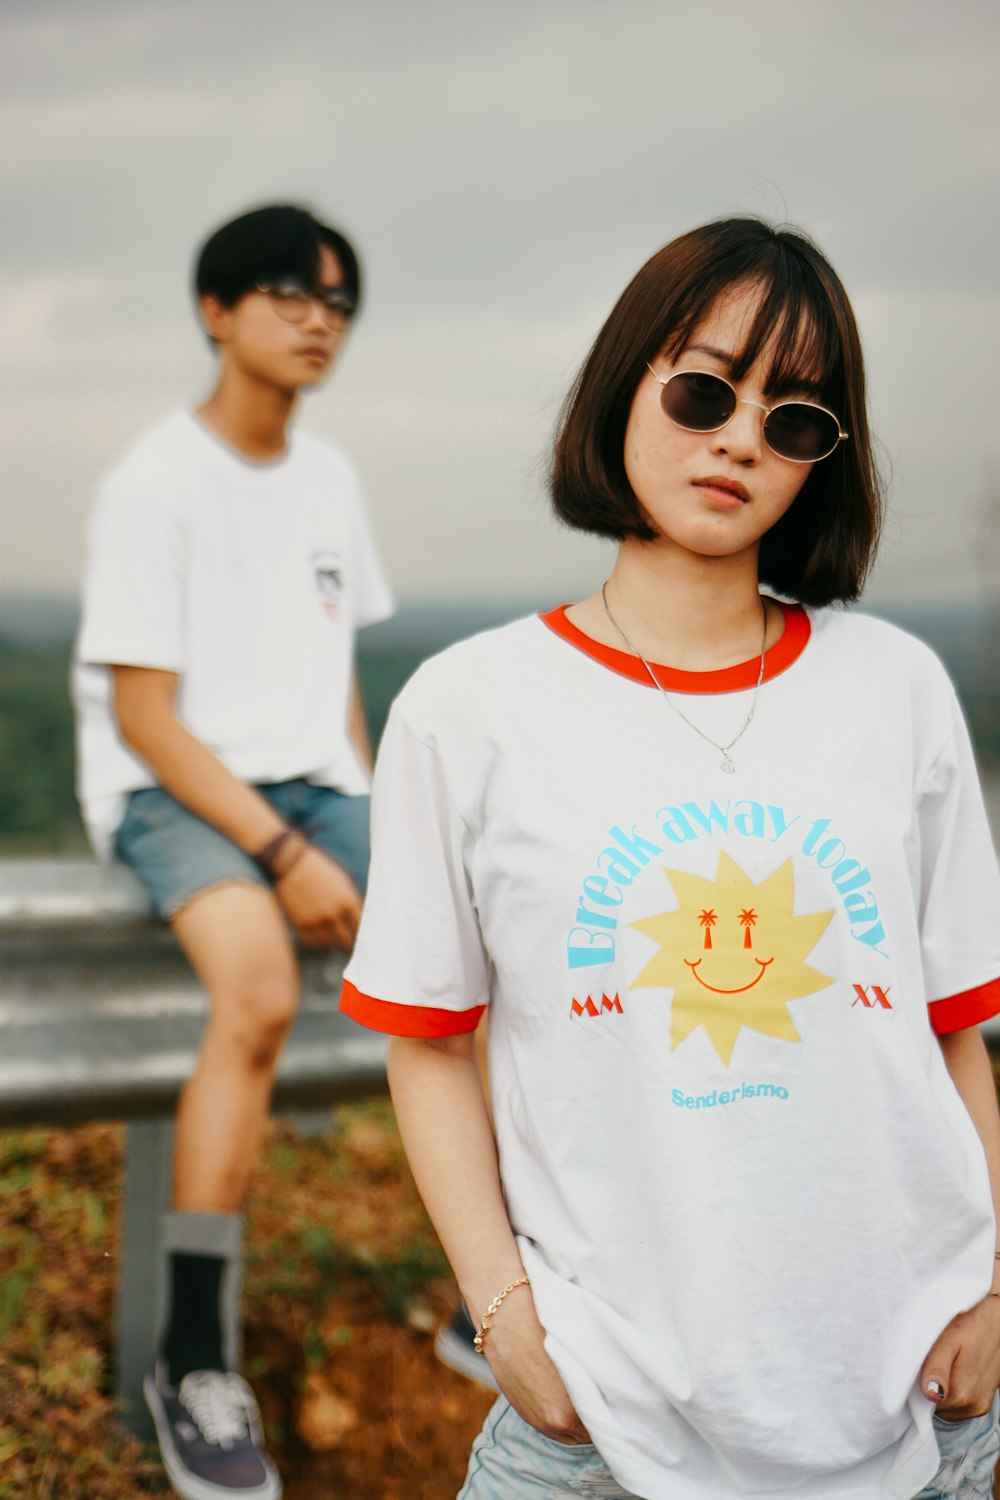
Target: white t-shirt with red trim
{"points": [[247, 579], [746, 1191]]}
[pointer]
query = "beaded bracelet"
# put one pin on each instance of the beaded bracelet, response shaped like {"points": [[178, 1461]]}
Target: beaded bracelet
{"points": [[480, 1339], [267, 859]]}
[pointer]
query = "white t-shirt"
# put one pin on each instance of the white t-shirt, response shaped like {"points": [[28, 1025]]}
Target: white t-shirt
{"points": [[247, 579], [746, 1191]]}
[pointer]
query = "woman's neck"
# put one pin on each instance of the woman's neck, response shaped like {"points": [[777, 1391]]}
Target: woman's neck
{"points": [[694, 613]]}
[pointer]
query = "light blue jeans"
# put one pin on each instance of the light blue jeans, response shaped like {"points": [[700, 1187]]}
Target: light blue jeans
{"points": [[511, 1461], [968, 1458]]}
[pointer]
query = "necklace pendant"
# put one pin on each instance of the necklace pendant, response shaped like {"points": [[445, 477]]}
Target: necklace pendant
{"points": [[727, 764]]}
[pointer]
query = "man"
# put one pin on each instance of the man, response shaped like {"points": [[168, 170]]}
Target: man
{"points": [[223, 752]]}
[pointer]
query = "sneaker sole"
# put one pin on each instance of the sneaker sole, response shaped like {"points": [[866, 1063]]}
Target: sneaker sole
{"points": [[458, 1356], [188, 1485]]}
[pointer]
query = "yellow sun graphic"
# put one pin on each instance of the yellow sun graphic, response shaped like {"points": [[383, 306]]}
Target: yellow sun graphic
{"points": [[734, 954]]}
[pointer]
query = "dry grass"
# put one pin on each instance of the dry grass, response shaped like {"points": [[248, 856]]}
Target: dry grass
{"points": [[345, 1283]]}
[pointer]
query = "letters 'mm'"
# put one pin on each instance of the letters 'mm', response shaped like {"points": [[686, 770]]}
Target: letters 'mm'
{"points": [[590, 1007], [881, 996]]}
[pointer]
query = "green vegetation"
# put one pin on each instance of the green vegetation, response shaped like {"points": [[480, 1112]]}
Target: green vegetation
{"points": [[983, 712], [38, 811]]}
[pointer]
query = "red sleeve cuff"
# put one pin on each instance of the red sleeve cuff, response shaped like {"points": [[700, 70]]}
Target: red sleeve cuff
{"points": [[408, 1020], [956, 1012]]}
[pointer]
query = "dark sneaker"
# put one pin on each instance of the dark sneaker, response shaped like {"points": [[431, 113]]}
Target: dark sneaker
{"points": [[454, 1348], [210, 1437]]}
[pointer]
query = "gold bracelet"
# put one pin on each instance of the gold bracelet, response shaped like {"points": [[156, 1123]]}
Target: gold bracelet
{"points": [[996, 1256], [480, 1339]]}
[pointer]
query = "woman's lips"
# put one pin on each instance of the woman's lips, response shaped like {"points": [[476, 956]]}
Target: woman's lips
{"points": [[724, 489]]}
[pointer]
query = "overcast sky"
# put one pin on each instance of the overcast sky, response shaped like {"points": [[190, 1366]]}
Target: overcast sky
{"points": [[504, 168]]}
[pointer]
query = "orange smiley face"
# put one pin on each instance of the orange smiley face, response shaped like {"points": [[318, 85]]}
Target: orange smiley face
{"points": [[724, 989], [747, 920]]}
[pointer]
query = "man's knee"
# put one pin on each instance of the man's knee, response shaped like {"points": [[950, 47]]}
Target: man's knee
{"points": [[254, 1018]]}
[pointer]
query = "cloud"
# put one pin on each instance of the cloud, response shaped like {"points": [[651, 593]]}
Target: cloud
{"points": [[505, 169]]}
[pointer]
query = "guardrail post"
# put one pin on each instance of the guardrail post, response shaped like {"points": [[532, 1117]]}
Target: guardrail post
{"points": [[141, 1290], [142, 1280], [102, 1019]]}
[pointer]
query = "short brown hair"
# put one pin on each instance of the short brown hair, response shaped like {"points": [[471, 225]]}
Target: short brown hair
{"points": [[823, 546]]}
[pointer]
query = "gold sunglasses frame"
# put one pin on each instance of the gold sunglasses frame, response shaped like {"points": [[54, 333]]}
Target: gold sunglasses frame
{"points": [[664, 380]]}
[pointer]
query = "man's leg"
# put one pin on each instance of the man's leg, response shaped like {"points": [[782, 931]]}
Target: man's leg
{"points": [[238, 944], [206, 1418], [230, 926]]}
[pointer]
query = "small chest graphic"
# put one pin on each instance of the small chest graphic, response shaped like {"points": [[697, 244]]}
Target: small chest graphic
{"points": [[328, 573]]}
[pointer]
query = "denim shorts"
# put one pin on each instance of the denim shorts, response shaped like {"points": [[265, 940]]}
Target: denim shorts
{"points": [[968, 1457], [177, 855], [511, 1461]]}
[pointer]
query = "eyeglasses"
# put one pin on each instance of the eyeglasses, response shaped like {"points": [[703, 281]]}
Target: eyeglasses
{"points": [[800, 431], [292, 301]]}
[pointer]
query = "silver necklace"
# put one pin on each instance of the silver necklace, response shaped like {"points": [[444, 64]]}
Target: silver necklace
{"points": [[727, 763]]}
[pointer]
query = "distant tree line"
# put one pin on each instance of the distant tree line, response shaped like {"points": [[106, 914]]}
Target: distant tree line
{"points": [[38, 811]]}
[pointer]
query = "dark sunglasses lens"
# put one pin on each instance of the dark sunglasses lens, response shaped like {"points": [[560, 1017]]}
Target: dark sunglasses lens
{"points": [[699, 402], [801, 432]]}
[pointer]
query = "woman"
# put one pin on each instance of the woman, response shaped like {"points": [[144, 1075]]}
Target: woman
{"points": [[719, 865]]}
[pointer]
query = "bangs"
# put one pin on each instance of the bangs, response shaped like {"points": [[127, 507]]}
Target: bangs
{"points": [[281, 250], [793, 327], [270, 244], [299, 264]]}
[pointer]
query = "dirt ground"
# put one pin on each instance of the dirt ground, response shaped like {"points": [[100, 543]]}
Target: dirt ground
{"points": [[415, 1421], [350, 1389], [345, 1285]]}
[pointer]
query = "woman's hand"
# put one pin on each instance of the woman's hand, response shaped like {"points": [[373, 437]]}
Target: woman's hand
{"points": [[320, 900], [441, 1108], [965, 1362], [525, 1373]]}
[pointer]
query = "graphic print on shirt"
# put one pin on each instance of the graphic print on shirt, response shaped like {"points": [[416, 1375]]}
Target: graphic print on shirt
{"points": [[734, 953], [722, 939], [328, 570]]}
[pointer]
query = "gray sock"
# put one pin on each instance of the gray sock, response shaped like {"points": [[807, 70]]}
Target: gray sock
{"points": [[203, 1234]]}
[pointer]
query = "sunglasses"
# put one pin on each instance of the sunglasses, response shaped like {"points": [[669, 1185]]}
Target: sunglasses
{"points": [[800, 431], [292, 301]]}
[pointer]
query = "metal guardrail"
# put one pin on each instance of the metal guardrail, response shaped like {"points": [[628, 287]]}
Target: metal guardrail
{"points": [[101, 1018]]}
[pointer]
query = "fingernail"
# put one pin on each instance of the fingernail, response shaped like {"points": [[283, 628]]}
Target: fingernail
{"points": [[935, 1389]]}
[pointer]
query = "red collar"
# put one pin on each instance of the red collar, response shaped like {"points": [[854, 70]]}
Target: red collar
{"points": [[726, 680]]}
